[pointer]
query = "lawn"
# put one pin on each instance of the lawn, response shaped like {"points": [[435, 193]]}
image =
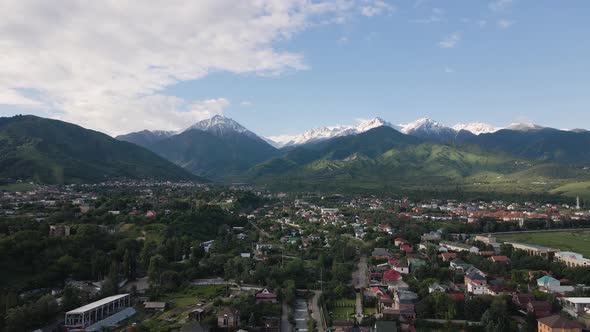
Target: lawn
{"points": [[191, 294], [581, 189], [18, 187], [567, 241]]}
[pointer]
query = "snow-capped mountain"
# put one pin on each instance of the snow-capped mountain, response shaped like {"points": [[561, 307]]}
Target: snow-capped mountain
{"points": [[220, 125], [524, 127], [324, 133], [429, 129], [476, 128]]}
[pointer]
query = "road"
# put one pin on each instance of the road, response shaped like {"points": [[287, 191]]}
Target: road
{"points": [[285, 325], [359, 281], [301, 315], [316, 311]]}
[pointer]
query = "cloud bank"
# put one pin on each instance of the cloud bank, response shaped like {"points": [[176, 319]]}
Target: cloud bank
{"points": [[105, 64]]}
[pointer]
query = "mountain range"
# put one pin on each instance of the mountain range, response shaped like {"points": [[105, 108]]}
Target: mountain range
{"points": [[374, 153], [52, 151]]}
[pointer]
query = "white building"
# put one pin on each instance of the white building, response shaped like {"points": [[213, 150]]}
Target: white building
{"points": [[103, 310], [572, 259]]}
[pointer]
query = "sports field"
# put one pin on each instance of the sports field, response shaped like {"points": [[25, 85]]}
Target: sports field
{"points": [[578, 241]]}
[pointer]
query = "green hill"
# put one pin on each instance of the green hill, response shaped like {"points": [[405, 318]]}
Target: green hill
{"points": [[385, 158], [52, 151]]}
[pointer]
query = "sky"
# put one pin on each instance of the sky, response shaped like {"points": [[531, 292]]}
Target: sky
{"points": [[285, 66]]}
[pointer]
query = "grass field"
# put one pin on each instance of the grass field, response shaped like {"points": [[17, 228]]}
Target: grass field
{"points": [[18, 187], [581, 189], [567, 241]]}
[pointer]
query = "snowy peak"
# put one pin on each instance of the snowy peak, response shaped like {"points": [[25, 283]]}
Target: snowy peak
{"points": [[324, 133], [476, 128], [423, 125], [366, 125], [220, 125], [524, 127]]}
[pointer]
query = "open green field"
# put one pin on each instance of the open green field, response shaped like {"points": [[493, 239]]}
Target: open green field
{"points": [[578, 241], [581, 189], [18, 187]]}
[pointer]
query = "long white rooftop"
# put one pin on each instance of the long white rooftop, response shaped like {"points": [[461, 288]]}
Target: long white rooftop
{"points": [[97, 304]]}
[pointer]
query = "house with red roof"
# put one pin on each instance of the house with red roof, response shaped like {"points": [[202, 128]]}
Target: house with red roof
{"points": [[539, 308], [391, 276], [399, 241], [500, 259], [448, 256], [407, 248], [266, 296]]}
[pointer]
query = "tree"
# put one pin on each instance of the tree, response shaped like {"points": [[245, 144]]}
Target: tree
{"points": [[71, 298], [155, 269], [496, 318]]}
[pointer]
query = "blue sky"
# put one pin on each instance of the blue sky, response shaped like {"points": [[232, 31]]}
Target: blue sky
{"points": [[454, 61]]}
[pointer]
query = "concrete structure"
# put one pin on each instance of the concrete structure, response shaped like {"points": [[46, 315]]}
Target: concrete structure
{"points": [[94, 312], [572, 259], [455, 246], [534, 250], [576, 306], [59, 230]]}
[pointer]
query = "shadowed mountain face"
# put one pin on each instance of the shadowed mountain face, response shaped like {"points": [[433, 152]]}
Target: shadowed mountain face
{"points": [[51, 151], [216, 148], [545, 144]]}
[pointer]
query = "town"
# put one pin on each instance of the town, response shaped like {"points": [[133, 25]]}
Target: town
{"points": [[163, 256]]}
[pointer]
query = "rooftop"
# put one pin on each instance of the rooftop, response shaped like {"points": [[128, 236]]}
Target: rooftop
{"points": [[97, 304]]}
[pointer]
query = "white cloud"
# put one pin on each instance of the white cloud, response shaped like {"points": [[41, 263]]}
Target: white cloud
{"points": [[343, 40], [499, 5], [246, 103], [450, 41], [482, 23], [375, 7], [505, 24], [106, 64], [449, 70]]}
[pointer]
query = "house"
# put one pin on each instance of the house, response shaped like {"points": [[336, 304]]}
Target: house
{"points": [[228, 318], [406, 248], [399, 266], [539, 308], [437, 288], [154, 306], [477, 287], [342, 326], [59, 231], [376, 292], [521, 300], [380, 253], [447, 256], [558, 323], [151, 214], [391, 276], [399, 241], [548, 282], [576, 306], [500, 259], [416, 263], [266, 296], [459, 265], [198, 314]]}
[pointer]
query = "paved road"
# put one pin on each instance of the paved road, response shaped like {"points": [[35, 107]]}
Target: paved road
{"points": [[301, 315], [359, 280], [316, 311], [285, 325]]}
